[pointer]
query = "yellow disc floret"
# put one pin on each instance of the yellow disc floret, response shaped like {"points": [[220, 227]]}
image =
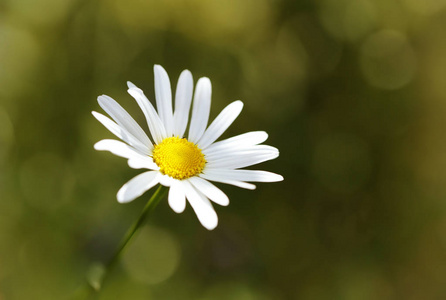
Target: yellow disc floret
{"points": [[178, 158]]}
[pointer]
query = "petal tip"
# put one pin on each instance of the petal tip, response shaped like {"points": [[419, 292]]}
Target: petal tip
{"points": [[103, 97], [97, 146], [204, 80], [239, 102], [211, 226], [186, 72], [121, 198], [130, 85], [178, 210], [225, 203], [158, 68], [131, 163]]}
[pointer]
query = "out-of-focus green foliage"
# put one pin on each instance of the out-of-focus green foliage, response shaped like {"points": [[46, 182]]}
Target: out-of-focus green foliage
{"points": [[352, 92]]}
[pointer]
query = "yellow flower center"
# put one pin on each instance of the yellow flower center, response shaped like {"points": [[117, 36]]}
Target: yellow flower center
{"points": [[178, 158]]}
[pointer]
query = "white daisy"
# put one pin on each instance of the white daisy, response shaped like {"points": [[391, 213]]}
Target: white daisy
{"points": [[185, 164]]}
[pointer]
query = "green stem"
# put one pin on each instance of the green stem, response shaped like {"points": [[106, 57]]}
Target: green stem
{"points": [[151, 204]]}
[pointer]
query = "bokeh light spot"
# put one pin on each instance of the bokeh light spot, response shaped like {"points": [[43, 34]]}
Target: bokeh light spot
{"points": [[425, 7], [153, 256], [387, 60], [347, 19]]}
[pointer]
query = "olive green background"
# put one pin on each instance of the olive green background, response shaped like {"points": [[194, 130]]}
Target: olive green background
{"points": [[352, 92]]}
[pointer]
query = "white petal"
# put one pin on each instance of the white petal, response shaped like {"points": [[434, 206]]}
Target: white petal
{"points": [[209, 190], [177, 197], [142, 163], [246, 175], [118, 148], [201, 205], [183, 99], [243, 140], [156, 127], [221, 123], [216, 178], [130, 85], [137, 186], [201, 109], [163, 94], [123, 118], [166, 180], [242, 158], [122, 133]]}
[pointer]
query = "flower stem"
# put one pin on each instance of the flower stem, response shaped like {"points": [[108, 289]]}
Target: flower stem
{"points": [[148, 208]]}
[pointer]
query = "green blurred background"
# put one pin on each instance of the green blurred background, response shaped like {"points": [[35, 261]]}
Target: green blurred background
{"points": [[352, 92]]}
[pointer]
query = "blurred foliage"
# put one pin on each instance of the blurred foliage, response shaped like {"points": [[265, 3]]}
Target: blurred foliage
{"points": [[353, 93]]}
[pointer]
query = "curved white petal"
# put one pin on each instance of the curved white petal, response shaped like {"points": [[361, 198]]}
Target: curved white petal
{"points": [[216, 178], [242, 158], [183, 99], [177, 197], [154, 122], [209, 190], [122, 117], [239, 141], [221, 123], [163, 95], [166, 180], [118, 148], [201, 205], [137, 186], [142, 163], [200, 110], [245, 175], [136, 159], [122, 133]]}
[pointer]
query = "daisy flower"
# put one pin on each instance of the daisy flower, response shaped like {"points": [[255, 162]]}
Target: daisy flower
{"points": [[184, 163]]}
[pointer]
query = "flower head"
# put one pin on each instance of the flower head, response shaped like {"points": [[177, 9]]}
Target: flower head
{"points": [[184, 164]]}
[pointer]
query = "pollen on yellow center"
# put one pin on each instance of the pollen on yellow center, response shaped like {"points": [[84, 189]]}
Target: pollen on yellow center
{"points": [[178, 158]]}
